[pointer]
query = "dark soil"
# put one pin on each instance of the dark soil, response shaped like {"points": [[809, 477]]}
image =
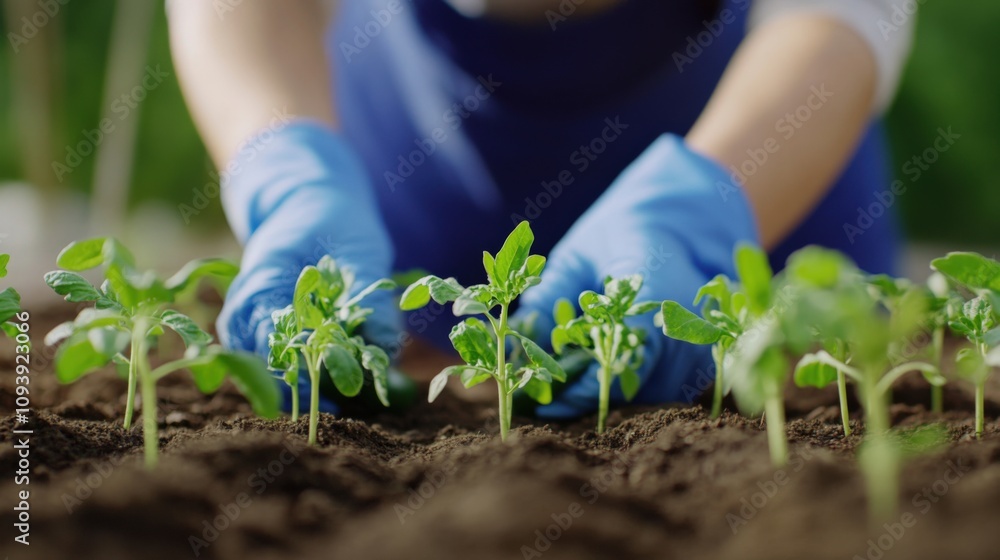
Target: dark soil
{"points": [[438, 483]]}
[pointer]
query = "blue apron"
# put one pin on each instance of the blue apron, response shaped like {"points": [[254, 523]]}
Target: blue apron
{"points": [[468, 125]]}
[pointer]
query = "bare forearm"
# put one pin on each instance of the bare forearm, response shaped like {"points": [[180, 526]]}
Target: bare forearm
{"points": [[239, 68], [797, 61]]}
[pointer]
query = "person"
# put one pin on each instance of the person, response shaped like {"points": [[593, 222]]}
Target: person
{"points": [[637, 136]]}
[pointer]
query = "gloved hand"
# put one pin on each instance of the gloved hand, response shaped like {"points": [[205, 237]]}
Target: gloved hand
{"points": [[291, 199], [673, 216]]}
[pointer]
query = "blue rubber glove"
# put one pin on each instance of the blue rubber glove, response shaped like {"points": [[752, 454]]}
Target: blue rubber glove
{"points": [[673, 216], [292, 197]]}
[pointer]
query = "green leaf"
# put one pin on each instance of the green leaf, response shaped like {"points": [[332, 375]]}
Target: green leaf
{"points": [[284, 321], [344, 370], [190, 333], [4, 259], [539, 390], [108, 341], [630, 382], [60, 333], [208, 377], [971, 270], [472, 376], [755, 276], [440, 381], [116, 254], [465, 305], [375, 360], [681, 324], [422, 291], [82, 255], [382, 284], [992, 337], [564, 311], [534, 265], [560, 339], [642, 308], [817, 267], [119, 289], [72, 286], [489, 264], [886, 286], [10, 329], [811, 371], [514, 253], [190, 274], [474, 343], [77, 357], [10, 304], [540, 358], [253, 380], [307, 315], [719, 290]]}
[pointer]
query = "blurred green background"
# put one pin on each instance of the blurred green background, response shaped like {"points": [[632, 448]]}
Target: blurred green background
{"points": [[951, 81]]}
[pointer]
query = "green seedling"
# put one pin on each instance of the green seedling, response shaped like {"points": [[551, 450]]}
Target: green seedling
{"points": [[132, 310], [976, 320], [724, 313], [837, 308], [601, 330], [943, 304], [320, 329], [822, 368], [482, 348], [976, 323], [10, 302], [894, 294]]}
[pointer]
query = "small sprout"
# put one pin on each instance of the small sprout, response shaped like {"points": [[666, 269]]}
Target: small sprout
{"points": [[132, 308], [976, 319], [602, 331], [727, 310], [724, 314], [482, 348], [320, 328]]}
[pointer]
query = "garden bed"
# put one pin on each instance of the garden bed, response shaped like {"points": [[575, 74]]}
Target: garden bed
{"points": [[436, 482]]}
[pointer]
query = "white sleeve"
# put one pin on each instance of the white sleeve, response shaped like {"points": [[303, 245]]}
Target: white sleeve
{"points": [[886, 25]]}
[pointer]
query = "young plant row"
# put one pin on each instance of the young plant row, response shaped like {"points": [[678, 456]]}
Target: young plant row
{"points": [[836, 324], [824, 321], [821, 320]]}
